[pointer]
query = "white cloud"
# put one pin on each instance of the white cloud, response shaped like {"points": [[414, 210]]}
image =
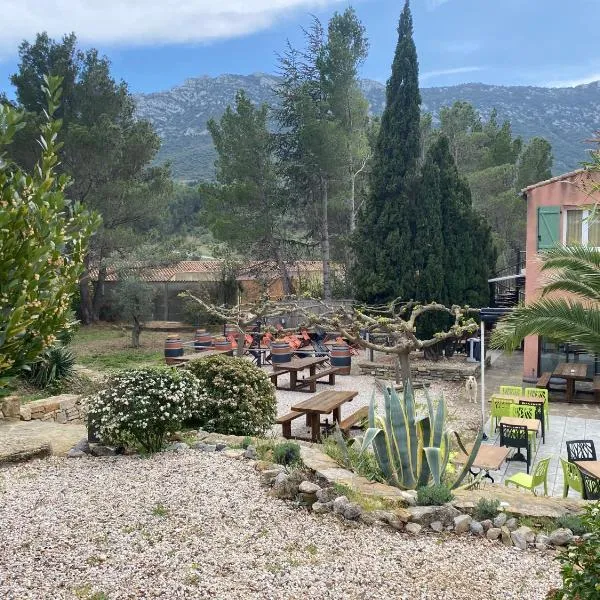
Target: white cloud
{"points": [[573, 82], [141, 22], [455, 71]]}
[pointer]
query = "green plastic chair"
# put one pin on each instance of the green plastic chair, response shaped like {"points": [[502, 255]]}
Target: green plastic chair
{"points": [[522, 411], [571, 477], [530, 482], [511, 390], [500, 408], [540, 393]]}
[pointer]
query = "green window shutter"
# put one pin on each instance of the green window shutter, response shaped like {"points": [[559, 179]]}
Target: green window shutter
{"points": [[548, 226]]}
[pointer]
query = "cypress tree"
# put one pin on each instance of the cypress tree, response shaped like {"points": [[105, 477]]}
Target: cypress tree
{"points": [[384, 261]]}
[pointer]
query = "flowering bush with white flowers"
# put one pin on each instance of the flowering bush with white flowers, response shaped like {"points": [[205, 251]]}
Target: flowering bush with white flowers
{"points": [[142, 406], [236, 397]]}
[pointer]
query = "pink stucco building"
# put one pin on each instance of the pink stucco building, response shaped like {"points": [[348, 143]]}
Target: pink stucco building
{"points": [[557, 211]]}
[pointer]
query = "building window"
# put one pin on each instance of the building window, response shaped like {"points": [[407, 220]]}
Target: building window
{"points": [[582, 227]]}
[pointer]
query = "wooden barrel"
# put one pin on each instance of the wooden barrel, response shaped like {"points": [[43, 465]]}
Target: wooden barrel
{"points": [[280, 353], [340, 358], [222, 344], [233, 332], [202, 340], [173, 349]]}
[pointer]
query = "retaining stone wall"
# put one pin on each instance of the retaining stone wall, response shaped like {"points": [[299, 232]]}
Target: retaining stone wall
{"points": [[65, 408], [442, 372]]}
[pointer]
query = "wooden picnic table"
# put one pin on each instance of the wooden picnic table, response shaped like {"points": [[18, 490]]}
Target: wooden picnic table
{"points": [[488, 458], [299, 364], [323, 404], [570, 372]]}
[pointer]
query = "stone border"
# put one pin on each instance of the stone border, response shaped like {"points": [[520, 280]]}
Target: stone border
{"points": [[62, 409], [440, 372]]}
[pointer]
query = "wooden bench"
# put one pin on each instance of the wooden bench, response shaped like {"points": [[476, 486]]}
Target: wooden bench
{"points": [[286, 422], [355, 417], [544, 380], [275, 374], [596, 388], [314, 379]]}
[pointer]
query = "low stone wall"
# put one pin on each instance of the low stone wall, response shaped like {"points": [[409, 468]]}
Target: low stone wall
{"points": [[65, 408], [443, 372]]}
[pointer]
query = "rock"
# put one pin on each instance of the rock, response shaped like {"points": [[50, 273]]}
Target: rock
{"points": [[383, 515], [500, 519], [204, 447], [25, 413], [177, 447], [352, 511], [476, 528], [11, 407], [425, 515], [286, 486], [511, 524], [101, 450], [413, 528], [409, 497], [202, 434], [82, 445], [437, 526], [539, 546], [487, 524], [561, 537], [367, 518], [220, 446], [229, 452], [74, 453], [522, 536], [327, 494], [462, 523], [268, 477], [586, 536], [250, 453], [542, 538], [493, 533], [320, 508], [506, 537], [308, 487], [339, 504], [396, 523]]}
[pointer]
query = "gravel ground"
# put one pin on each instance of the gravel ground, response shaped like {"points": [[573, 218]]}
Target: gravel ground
{"points": [[194, 525]]}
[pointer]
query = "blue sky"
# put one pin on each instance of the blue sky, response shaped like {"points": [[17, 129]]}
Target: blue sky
{"points": [[155, 45]]}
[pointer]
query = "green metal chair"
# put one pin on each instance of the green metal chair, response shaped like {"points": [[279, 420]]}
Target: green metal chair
{"points": [[511, 390], [530, 482], [523, 411], [540, 393], [500, 408], [571, 477]]}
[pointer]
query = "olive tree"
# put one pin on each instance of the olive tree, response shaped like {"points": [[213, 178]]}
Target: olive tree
{"points": [[135, 304]]}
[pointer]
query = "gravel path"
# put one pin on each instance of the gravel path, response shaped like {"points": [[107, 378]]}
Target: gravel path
{"points": [[194, 525]]}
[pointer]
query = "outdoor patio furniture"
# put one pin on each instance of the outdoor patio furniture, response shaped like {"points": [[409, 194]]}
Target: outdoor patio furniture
{"points": [[286, 422], [530, 482], [539, 413], [275, 374], [580, 450], [590, 479], [523, 411], [488, 458], [356, 417], [500, 408], [540, 393], [544, 380], [570, 372], [571, 477], [511, 390], [323, 403], [515, 435], [298, 365]]}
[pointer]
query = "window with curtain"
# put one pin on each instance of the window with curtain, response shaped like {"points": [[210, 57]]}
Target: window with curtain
{"points": [[594, 229], [574, 227]]}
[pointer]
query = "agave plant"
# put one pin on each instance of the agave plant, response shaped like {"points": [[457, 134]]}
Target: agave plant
{"points": [[413, 449]]}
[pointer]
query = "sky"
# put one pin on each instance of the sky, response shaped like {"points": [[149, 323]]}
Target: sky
{"points": [[157, 44]]}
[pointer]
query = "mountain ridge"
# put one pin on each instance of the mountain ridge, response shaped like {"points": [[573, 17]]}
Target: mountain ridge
{"points": [[567, 117]]}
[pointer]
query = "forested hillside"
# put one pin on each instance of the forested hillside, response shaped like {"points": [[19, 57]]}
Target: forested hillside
{"points": [[566, 117]]}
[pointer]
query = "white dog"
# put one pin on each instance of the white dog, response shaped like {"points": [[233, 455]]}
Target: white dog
{"points": [[471, 387]]}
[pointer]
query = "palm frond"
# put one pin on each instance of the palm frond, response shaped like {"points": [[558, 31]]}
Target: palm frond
{"points": [[571, 257]]}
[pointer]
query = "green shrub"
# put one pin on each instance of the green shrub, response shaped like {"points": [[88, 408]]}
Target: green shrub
{"points": [[486, 508], [247, 441], [580, 564], [236, 397], [351, 457], [53, 365], [434, 495], [573, 522], [286, 453], [143, 406]]}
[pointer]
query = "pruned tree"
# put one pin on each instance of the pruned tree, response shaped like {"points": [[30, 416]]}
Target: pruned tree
{"points": [[134, 303]]}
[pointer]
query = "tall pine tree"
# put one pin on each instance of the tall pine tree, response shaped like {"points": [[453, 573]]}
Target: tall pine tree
{"points": [[384, 266]]}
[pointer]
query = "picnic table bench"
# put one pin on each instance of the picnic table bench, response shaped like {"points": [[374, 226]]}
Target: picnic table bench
{"points": [[300, 364]]}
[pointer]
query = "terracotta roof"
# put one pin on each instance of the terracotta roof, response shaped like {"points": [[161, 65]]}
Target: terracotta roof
{"points": [[207, 270], [552, 180]]}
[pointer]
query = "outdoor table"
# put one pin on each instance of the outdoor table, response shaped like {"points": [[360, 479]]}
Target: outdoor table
{"points": [[529, 400], [323, 403], [489, 458], [531, 424], [299, 364], [591, 467], [570, 372], [260, 354]]}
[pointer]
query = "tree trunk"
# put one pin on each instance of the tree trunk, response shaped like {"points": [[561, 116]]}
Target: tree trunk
{"points": [[403, 361], [285, 276], [352, 203], [135, 333], [325, 240], [85, 302], [98, 293]]}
